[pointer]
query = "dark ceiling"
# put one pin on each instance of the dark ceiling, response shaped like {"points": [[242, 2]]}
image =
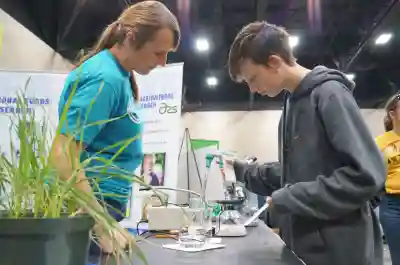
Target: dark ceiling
{"points": [[336, 33]]}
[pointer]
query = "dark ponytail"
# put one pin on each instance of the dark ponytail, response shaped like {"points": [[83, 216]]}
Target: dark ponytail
{"points": [[391, 105], [135, 88]]}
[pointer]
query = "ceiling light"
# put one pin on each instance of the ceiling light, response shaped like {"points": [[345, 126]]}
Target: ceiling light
{"points": [[293, 41], [383, 38], [351, 76], [212, 81], [202, 45]]}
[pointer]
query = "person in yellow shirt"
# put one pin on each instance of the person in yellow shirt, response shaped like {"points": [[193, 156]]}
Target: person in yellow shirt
{"points": [[389, 209]]}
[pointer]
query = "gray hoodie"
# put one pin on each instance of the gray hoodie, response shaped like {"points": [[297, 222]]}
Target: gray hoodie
{"points": [[329, 170]]}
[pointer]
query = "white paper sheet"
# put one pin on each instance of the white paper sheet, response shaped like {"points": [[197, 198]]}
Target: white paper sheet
{"points": [[206, 246]]}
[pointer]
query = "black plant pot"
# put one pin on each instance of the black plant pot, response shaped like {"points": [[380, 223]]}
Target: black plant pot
{"points": [[62, 241]]}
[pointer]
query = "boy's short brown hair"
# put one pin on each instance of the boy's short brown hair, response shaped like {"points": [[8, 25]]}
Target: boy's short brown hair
{"points": [[258, 41]]}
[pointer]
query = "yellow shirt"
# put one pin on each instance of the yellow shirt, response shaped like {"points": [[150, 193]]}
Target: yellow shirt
{"points": [[389, 144]]}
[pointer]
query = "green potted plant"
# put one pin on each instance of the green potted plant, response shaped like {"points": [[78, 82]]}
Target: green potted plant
{"points": [[40, 219]]}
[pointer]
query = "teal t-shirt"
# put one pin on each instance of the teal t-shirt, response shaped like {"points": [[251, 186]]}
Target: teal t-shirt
{"points": [[103, 93]]}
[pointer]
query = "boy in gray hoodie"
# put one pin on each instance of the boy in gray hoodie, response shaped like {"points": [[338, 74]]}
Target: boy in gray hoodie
{"points": [[329, 166]]}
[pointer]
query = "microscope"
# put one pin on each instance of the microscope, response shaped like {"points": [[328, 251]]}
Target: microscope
{"points": [[234, 204], [218, 191]]}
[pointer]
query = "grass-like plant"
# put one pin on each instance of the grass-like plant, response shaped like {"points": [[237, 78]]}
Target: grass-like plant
{"points": [[31, 187]]}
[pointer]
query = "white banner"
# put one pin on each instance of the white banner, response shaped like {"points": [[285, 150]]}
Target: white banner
{"points": [[42, 92], [161, 100], [160, 94]]}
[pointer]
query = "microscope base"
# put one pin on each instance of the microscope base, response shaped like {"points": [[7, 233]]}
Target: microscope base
{"points": [[233, 230]]}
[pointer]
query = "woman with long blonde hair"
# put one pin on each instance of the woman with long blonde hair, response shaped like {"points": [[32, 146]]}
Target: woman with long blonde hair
{"points": [[389, 208], [105, 89]]}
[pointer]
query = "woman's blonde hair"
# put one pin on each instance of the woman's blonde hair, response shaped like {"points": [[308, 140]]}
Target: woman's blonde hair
{"points": [[146, 18]]}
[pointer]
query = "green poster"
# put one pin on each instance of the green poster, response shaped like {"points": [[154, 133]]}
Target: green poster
{"points": [[201, 143]]}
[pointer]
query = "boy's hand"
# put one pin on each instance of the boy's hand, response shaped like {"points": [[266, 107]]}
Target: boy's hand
{"points": [[229, 160], [270, 203]]}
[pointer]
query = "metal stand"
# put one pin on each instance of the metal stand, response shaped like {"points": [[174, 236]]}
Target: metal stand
{"points": [[187, 140]]}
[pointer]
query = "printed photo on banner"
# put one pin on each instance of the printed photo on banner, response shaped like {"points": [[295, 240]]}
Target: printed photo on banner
{"points": [[153, 169]]}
